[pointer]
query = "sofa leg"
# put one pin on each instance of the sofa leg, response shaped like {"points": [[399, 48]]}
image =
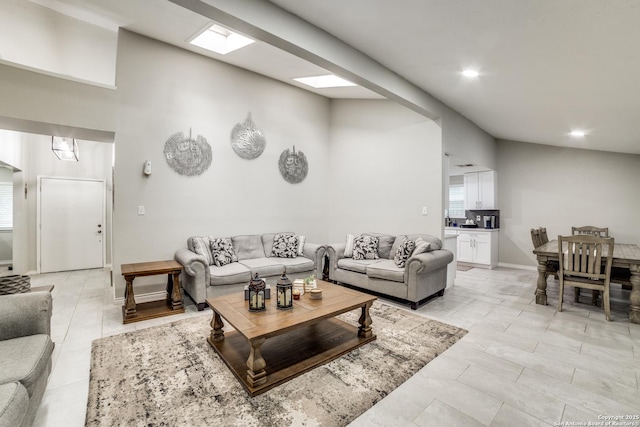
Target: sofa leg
{"points": [[441, 293], [201, 306], [414, 306]]}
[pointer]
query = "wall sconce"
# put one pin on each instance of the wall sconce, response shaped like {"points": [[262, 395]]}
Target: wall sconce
{"points": [[65, 148]]}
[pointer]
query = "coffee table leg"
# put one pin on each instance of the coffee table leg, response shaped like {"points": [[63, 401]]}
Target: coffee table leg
{"points": [[365, 321], [217, 334], [175, 296], [256, 375], [129, 300], [634, 297]]}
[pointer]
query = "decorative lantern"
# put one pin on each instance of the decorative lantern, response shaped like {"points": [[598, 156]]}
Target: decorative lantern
{"points": [[284, 293], [257, 294]]}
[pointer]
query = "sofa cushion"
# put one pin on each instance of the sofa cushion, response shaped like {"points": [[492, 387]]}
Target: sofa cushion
{"points": [[348, 248], [385, 242], [229, 274], [14, 404], [421, 246], [434, 242], [222, 251], [359, 266], [285, 246], [386, 269], [403, 252], [265, 267], [365, 247], [301, 240], [248, 246], [297, 265], [200, 245], [25, 359]]}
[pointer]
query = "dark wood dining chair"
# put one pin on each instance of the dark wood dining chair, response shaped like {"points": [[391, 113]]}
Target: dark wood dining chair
{"points": [[538, 238], [592, 231], [585, 262]]}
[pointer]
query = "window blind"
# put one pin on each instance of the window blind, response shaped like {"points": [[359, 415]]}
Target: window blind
{"points": [[6, 205], [456, 201]]}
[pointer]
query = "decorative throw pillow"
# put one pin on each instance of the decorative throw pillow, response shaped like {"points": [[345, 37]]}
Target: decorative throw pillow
{"points": [[301, 240], [421, 246], [285, 246], [222, 251], [365, 247], [201, 247], [404, 252], [348, 249]]}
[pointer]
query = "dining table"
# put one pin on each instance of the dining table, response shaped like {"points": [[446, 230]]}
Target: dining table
{"points": [[625, 256]]}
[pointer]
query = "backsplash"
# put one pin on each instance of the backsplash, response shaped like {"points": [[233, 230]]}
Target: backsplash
{"points": [[482, 213]]}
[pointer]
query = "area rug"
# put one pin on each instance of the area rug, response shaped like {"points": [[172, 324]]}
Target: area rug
{"points": [[463, 267], [169, 376]]}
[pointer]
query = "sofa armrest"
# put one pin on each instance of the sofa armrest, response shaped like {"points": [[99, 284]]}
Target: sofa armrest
{"points": [[25, 314], [191, 261], [335, 251], [315, 252], [429, 261]]}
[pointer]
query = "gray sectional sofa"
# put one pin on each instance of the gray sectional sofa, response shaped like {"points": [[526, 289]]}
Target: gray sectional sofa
{"points": [[201, 278], [25, 355], [422, 276]]}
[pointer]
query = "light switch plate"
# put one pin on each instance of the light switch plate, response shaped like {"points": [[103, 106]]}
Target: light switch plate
{"points": [[424, 210], [140, 210]]}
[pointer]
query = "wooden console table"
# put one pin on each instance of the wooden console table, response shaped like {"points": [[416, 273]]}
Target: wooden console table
{"points": [[132, 312]]}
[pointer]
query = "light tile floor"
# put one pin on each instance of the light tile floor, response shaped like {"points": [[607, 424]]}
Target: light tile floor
{"points": [[521, 364]]}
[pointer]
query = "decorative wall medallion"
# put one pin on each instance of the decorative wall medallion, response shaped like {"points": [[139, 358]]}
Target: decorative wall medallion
{"points": [[187, 156], [247, 140], [293, 166]]}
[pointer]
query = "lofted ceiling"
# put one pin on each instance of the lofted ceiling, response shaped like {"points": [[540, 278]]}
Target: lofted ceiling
{"points": [[546, 66]]}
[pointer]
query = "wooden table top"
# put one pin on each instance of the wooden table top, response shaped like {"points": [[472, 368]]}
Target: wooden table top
{"points": [[272, 322], [150, 268], [621, 251]]}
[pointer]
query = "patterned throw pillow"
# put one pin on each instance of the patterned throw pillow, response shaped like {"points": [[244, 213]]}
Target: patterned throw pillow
{"points": [[365, 247], [200, 245], [422, 246], [222, 251], [404, 252], [285, 246], [348, 249]]}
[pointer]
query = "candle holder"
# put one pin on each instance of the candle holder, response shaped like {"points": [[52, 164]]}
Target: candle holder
{"points": [[257, 294], [284, 292]]}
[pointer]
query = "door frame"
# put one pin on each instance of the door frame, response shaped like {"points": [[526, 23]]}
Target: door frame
{"points": [[38, 213]]}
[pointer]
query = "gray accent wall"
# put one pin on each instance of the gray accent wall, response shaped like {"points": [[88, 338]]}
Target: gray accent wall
{"points": [[557, 188]]}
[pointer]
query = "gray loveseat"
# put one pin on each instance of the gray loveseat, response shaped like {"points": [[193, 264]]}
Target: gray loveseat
{"points": [[202, 279], [423, 275], [25, 355]]}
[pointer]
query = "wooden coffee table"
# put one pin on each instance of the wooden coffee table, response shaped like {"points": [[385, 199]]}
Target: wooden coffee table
{"points": [[271, 347]]}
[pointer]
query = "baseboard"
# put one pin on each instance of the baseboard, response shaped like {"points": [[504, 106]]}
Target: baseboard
{"points": [[518, 266], [152, 296]]}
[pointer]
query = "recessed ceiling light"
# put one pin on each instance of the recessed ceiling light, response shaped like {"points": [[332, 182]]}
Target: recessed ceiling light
{"points": [[577, 133], [470, 73], [220, 40], [322, 82]]}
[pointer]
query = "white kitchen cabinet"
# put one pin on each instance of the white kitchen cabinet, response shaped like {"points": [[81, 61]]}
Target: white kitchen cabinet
{"points": [[480, 190], [478, 247]]}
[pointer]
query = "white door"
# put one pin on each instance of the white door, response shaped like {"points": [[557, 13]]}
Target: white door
{"points": [[71, 218]]}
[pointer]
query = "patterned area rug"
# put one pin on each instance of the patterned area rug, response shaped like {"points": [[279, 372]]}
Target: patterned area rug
{"points": [[463, 267], [169, 375]]}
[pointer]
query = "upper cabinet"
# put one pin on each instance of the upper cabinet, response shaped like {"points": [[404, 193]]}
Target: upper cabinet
{"points": [[480, 190]]}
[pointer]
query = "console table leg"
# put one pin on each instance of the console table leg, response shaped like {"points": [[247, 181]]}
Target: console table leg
{"points": [[176, 295], [634, 297], [541, 290], [256, 375], [130, 302], [365, 330]]}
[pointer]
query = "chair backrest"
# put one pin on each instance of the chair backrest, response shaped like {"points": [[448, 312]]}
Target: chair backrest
{"points": [[539, 237], [584, 255], [589, 229]]}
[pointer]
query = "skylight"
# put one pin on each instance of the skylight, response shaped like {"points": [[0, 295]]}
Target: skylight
{"points": [[323, 82], [220, 40]]}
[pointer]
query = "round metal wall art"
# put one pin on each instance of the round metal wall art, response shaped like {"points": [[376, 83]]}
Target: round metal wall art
{"points": [[247, 140], [187, 156], [293, 166]]}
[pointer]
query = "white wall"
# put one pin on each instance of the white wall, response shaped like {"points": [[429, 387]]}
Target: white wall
{"points": [[76, 49], [386, 164], [163, 90], [557, 188]]}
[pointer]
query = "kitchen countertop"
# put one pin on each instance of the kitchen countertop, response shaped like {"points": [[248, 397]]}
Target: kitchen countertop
{"points": [[471, 229]]}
